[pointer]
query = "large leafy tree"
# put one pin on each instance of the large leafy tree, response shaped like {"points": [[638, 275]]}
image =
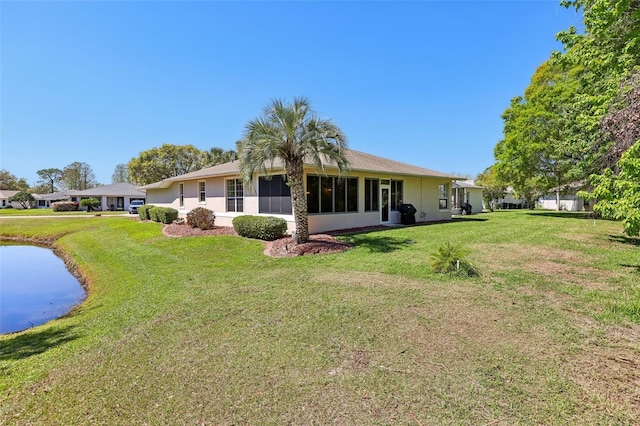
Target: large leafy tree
{"points": [[167, 161], [10, 182], [78, 176], [618, 196], [293, 133], [50, 177]]}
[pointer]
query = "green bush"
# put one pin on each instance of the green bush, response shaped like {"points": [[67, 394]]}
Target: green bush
{"points": [[201, 218], [450, 259], [64, 206], [163, 214], [143, 211], [261, 227]]}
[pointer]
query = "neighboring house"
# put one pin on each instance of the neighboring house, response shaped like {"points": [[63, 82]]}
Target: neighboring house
{"points": [[510, 201], [466, 191], [43, 201], [116, 196], [5, 194], [369, 195], [569, 199]]}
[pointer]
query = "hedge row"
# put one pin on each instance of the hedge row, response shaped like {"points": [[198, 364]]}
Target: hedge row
{"points": [[143, 211], [163, 214], [64, 206], [261, 227], [157, 214]]}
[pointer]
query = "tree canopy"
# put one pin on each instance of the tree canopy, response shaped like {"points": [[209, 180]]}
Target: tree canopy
{"points": [[50, 177], [291, 132], [78, 176], [120, 174], [10, 182], [581, 111], [169, 160]]}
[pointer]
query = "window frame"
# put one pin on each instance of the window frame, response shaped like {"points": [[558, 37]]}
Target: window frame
{"points": [[371, 194], [181, 194], [202, 190], [443, 196], [238, 200]]}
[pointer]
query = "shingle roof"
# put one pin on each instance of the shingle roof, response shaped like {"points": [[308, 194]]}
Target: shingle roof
{"points": [[7, 193], [466, 184], [113, 190], [358, 161]]}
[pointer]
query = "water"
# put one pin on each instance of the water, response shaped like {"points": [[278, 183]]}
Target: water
{"points": [[35, 287]]}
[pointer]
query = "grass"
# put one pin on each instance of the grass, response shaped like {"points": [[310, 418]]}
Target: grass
{"points": [[208, 330], [50, 212]]}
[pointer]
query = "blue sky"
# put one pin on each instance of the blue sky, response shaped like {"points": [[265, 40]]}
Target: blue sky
{"points": [[419, 82]]}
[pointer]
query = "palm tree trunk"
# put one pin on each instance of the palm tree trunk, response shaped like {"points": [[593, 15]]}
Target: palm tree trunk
{"points": [[298, 201]]}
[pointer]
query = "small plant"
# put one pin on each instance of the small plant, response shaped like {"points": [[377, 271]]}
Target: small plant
{"points": [[261, 227], [201, 218], [450, 259]]}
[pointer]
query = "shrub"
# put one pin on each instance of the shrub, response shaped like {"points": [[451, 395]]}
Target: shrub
{"points": [[201, 218], [90, 203], [143, 211], [163, 214], [449, 259], [64, 206], [261, 227]]}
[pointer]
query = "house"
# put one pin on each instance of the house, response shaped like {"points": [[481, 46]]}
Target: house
{"points": [[116, 196], [568, 198], [43, 201], [369, 195], [466, 191], [510, 200], [5, 194]]}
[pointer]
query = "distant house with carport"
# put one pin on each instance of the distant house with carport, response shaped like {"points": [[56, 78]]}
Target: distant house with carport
{"points": [[371, 193], [116, 196]]}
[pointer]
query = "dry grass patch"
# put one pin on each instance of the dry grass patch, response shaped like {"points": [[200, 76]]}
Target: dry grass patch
{"points": [[564, 266]]}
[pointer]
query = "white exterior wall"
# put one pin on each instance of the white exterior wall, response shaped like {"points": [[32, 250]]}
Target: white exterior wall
{"points": [[475, 199], [567, 202]]}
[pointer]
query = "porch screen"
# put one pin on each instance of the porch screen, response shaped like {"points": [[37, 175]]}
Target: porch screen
{"points": [[274, 196]]}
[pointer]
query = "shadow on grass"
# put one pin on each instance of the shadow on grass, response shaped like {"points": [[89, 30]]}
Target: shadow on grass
{"points": [[563, 214], [636, 267], [634, 241], [381, 244], [28, 344]]}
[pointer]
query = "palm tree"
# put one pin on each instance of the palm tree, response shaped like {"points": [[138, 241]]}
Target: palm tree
{"points": [[294, 134]]}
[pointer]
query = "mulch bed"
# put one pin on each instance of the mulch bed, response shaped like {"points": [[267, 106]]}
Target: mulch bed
{"points": [[284, 247]]}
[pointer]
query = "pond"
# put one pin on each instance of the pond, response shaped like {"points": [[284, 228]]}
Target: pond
{"points": [[35, 287]]}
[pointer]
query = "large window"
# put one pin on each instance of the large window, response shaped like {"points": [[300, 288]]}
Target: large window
{"points": [[396, 194], [371, 195], [330, 194], [235, 193], [182, 195], [274, 195], [203, 192], [443, 196]]}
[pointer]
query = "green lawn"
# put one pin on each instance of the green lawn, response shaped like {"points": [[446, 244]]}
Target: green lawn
{"points": [[208, 330], [50, 212]]}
